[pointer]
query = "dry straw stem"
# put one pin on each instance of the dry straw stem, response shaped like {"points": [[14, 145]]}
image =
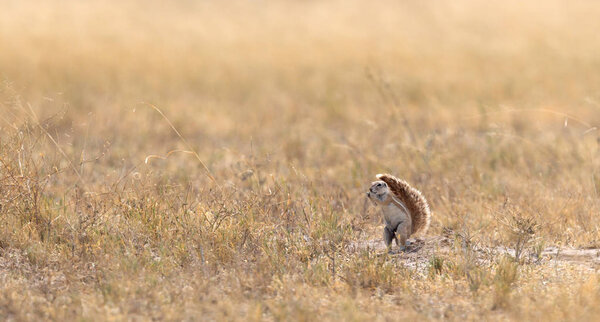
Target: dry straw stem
{"points": [[191, 150], [567, 116], [34, 117]]}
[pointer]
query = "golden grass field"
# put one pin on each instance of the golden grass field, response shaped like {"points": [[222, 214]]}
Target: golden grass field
{"points": [[287, 110]]}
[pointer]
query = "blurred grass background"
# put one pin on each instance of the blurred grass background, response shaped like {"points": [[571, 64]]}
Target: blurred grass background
{"points": [[293, 106]]}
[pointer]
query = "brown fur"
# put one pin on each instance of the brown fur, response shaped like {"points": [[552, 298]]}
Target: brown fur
{"points": [[412, 198]]}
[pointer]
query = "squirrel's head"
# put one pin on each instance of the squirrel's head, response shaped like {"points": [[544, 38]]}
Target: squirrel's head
{"points": [[378, 192]]}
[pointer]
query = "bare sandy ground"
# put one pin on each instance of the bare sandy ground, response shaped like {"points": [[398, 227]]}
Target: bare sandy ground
{"points": [[421, 250]]}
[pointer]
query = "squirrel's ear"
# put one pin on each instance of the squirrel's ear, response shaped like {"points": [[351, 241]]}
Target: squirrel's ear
{"points": [[379, 175]]}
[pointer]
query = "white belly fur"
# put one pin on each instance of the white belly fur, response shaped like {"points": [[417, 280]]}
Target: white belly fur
{"points": [[393, 216]]}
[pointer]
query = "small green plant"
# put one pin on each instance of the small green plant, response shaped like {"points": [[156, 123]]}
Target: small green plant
{"points": [[436, 265], [520, 228]]}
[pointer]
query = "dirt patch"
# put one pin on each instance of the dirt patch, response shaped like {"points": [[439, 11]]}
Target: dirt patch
{"points": [[591, 255], [420, 251]]}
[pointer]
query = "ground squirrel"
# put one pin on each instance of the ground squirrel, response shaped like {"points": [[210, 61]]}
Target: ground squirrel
{"points": [[405, 210]]}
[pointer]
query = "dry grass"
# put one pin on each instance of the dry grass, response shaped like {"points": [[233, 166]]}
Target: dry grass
{"points": [[489, 108]]}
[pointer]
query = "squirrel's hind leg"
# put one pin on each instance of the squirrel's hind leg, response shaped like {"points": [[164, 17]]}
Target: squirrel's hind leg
{"points": [[403, 232]]}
